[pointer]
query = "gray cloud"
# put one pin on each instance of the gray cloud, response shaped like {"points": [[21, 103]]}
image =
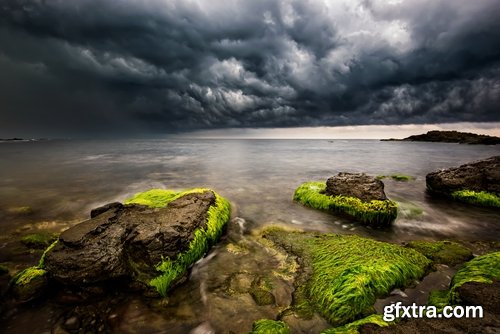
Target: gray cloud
{"points": [[132, 66]]}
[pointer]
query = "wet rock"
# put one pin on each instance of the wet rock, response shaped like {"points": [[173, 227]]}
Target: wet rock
{"points": [[122, 240], [111, 206], [484, 294], [358, 185], [72, 323], [483, 175]]}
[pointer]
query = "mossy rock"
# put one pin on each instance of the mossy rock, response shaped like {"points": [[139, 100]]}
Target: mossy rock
{"points": [[375, 213], [266, 326], [29, 284], [482, 269], [171, 270], [38, 240], [347, 273], [444, 252]]}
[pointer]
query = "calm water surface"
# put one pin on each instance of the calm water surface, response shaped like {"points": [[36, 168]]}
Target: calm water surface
{"points": [[62, 180]]}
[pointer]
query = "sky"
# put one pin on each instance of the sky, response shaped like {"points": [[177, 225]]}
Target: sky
{"points": [[271, 67]]}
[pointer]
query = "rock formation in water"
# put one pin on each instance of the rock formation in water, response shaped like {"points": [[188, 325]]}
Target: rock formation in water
{"points": [[483, 175], [358, 185], [476, 183], [140, 243], [355, 195], [451, 137]]}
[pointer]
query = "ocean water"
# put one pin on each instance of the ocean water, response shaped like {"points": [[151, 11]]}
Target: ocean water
{"points": [[60, 181]]}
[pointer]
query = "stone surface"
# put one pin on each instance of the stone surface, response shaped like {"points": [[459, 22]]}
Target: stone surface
{"points": [[126, 239], [483, 175], [486, 295], [358, 185]]}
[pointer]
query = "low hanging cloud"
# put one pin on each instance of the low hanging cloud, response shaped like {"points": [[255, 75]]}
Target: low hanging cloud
{"points": [[172, 65]]}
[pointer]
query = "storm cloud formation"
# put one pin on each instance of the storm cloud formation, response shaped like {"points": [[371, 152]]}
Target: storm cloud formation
{"points": [[170, 65]]}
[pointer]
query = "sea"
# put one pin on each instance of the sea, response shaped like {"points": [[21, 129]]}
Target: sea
{"points": [[58, 182]]}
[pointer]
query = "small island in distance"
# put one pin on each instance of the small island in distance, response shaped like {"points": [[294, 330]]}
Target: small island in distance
{"points": [[451, 137]]}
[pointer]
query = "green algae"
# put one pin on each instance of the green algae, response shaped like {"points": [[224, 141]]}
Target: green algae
{"points": [[154, 198], [348, 273], [27, 275], [171, 270], [353, 327], [396, 177], [481, 198], [266, 326], [375, 212], [482, 269], [445, 252], [38, 240], [41, 263]]}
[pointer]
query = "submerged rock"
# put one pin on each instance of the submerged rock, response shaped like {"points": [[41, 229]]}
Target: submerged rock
{"points": [[152, 245], [483, 175], [358, 185]]}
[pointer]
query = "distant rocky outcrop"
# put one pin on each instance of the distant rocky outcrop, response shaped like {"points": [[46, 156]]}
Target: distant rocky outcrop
{"points": [[358, 185], [452, 137], [477, 176]]}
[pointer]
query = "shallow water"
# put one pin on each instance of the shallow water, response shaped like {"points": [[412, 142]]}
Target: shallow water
{"points": [[62, 180]]}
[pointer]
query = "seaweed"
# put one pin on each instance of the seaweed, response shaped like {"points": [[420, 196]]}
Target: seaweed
{"points": [[445, 252], [349, 272], [375, 212], [171, 270], [482, 198], [266, 326]]}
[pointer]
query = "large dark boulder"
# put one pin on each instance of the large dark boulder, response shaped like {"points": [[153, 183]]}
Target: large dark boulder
{"points": [[126, 240], [481, 175], [358, 185]]}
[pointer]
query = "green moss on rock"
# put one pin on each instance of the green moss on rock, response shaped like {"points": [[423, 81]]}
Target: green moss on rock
{"points": [[402, 177], [348, 273], [482, 269], [353, 327], [375, 212], [171, 270], [445, 252], [38, 240], [481, 198], [154, 198], [266, 326]]}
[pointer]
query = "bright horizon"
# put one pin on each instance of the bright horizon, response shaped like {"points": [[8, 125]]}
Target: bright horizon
{"points": [[344, 132]]}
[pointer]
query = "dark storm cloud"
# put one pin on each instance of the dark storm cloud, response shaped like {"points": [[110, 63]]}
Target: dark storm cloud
{"points": [[125, 66]]}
